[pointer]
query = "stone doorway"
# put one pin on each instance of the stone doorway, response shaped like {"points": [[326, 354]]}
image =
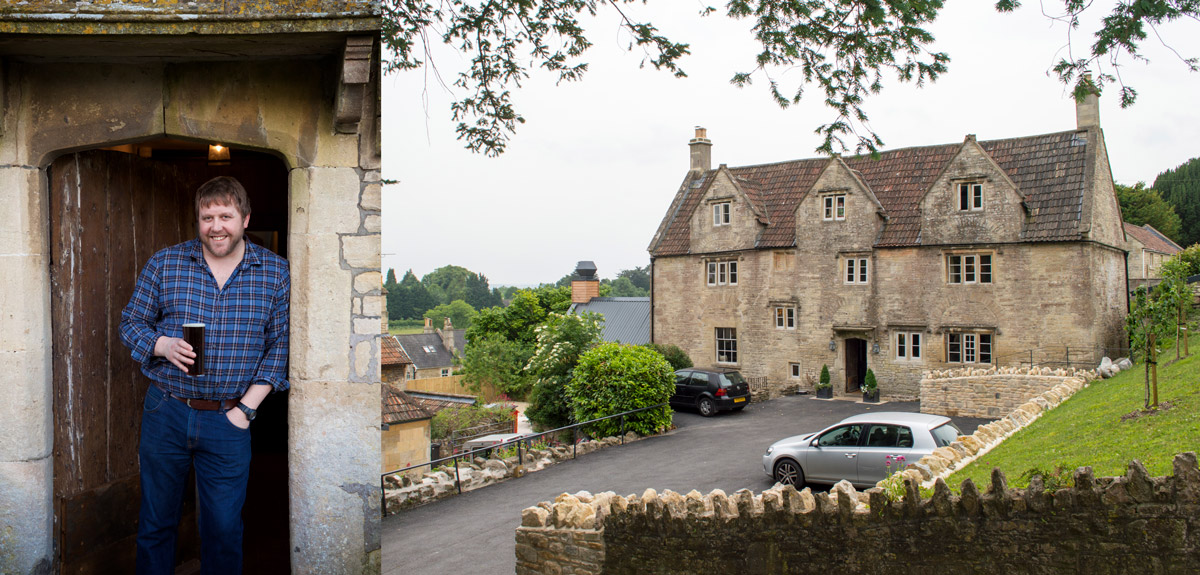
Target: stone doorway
{"points": [[856, 364], [110, 210]]}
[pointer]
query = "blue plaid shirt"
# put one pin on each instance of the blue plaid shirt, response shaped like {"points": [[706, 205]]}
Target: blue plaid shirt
{"points": [[246, 338]]}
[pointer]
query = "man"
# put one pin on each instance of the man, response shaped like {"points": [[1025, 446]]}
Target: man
{"points": [[240, 291]]}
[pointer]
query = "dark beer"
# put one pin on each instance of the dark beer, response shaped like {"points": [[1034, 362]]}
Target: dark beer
{"points": [[193, 333]]}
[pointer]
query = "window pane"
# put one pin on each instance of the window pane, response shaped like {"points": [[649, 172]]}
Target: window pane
{"points": [[849, 271], [969, 348], [829, 207], [726, 345], [901, 348], [712, 273], [795, 370], [862, 271], [955, 269], [916, 346], [732, 273], [962, 196], [844, 436], [721, 269], [985, 348], [985, 269], [978, 193], [883, 436], [841, 207], [954, 348], [791, 317], [968, 269], [778, 317]]}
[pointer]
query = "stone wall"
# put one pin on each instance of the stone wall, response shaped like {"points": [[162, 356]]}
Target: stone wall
{"points": [[1131, 523], [993, 392]]}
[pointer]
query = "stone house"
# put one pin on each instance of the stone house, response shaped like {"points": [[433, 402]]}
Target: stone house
{"points": [[433, 353], [394, 364], [970, 254], [112, 114], [406, 431], [1148, 249]]}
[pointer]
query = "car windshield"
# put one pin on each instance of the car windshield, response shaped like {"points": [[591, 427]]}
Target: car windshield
{"points": [[732, 378], [945, 434]]}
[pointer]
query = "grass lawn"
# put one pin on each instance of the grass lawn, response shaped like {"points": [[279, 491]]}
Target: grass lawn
{"points": [[1088, 428]]}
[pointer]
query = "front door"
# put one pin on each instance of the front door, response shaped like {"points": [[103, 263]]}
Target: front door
{"points": [[856, 364], [109, 212]]}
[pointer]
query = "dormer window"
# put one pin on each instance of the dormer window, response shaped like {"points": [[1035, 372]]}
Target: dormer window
{"points": [[970, 197], [835, 207], [429, 349], [721, 213]]}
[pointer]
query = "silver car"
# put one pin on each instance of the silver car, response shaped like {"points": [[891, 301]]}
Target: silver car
{"points": [[861, 449]]}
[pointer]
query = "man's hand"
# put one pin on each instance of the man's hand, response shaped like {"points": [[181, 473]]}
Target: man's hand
{"points": [[237, 418], [176, 351]]}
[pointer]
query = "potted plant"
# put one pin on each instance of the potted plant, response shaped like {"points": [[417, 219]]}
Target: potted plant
{"points": [[870, 389], [824, 388]]}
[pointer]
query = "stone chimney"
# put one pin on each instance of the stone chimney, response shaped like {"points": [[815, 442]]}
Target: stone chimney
{"points": [[701, 151], [447, 334], [1087, 111], [428, 325], [588, 285]]}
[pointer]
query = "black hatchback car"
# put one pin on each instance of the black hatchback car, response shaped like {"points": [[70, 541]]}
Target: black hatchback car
{"points": [[710, 391]]}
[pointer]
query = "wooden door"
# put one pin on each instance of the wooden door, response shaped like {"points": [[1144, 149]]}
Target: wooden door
{"points": [[109, 212]]}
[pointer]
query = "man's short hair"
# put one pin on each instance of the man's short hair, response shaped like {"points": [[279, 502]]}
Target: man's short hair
{"points": [[223, 190]]}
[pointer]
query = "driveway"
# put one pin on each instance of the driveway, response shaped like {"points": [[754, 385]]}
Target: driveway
{"points": [[474, 532]]}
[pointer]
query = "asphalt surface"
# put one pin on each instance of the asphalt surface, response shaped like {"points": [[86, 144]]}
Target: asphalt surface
{"points": [[475, 532]]}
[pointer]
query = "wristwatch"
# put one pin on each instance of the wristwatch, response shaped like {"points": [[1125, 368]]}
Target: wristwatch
{"points": [[250, 413]]}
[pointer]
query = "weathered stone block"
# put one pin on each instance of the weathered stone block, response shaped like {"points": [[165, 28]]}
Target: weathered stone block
{"points": [[325, 201], [25, 205], [25, 399], [368, 283], [371, 197], [362, 251], [321, 327], [334, 455], [26, 516]]}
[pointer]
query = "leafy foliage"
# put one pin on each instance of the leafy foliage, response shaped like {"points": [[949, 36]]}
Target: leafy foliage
{"points": [[1180, 187], [673, 354], [844, 48], [407, 299], [612, 378], [560, 342], [460, 313], [870, 385], [502, 40], [493, 360], [1141, 205], [823, 381]]}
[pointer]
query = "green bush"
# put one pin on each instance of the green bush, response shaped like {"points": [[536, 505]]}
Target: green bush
{"points": [[560, 341], [823, 382], [869, 383], [453, 419], [673, 354], [612, 378]]}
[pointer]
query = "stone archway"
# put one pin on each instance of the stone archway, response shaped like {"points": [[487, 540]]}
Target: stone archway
{"points": [[283, 104]]}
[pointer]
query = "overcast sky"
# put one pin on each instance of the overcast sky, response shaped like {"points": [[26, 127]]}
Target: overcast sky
{"points": [[591, 173]]}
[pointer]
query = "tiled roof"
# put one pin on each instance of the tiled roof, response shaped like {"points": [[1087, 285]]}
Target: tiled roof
{"points": [[1152, 239], [435, 402], [626, 319], [426, 349], [398, 407], [1049, 170], [391, 353]]}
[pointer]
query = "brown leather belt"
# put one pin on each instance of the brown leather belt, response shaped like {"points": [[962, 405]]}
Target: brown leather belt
{"points": [[209, 404]]}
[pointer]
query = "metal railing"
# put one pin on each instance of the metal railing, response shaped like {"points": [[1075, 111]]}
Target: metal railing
{"points": [[526, 440]]}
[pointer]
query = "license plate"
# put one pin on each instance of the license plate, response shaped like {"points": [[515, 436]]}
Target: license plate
{"points": [[739, 399]]}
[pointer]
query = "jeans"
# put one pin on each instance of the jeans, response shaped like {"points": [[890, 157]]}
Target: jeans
{"points": [[175, 437]]}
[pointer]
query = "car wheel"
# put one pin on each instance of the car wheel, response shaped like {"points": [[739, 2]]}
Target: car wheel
{"points": [[788, 472], [706, 406]]}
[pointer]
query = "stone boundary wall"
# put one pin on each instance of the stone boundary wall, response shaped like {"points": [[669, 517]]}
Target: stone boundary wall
{"points": [[946, 460], [405, 492], [989, 392], [1131, 523]]}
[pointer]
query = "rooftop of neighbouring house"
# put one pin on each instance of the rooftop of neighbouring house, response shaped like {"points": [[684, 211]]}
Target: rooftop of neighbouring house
{"points": [[1152, 239]]}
